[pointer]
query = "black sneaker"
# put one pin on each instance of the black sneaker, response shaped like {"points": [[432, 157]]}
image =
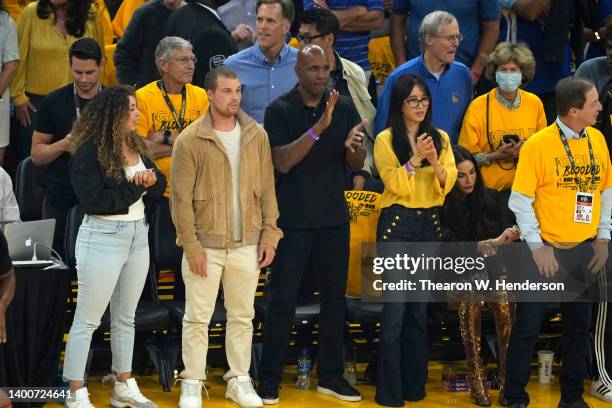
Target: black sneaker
{"points": [[340, 389], [268, 393]]}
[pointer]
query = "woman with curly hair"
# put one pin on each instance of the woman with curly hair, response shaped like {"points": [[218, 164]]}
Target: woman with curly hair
{"points": [[45, 30], [113, 179], [496, 124]]}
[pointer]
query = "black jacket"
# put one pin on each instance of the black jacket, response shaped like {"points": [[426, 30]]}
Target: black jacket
{"points": [[211, 41], [100, 195], [135, 53]]}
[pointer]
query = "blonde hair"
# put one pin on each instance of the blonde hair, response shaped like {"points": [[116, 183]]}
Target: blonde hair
{"points": [[506, 52]]}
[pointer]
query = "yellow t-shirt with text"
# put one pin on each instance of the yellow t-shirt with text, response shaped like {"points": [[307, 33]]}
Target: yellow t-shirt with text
{"points": [[545, 173], [155, 115], [524, 121]]}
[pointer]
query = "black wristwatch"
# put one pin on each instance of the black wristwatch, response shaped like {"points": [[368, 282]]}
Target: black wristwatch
{"points": [[167, 135]]}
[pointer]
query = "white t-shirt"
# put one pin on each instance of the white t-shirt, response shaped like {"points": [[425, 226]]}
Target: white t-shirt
{"points": [[231, 142], [137, 210]]}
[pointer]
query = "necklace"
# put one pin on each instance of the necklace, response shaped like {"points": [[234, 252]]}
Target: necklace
{"points": [[505, 103]]}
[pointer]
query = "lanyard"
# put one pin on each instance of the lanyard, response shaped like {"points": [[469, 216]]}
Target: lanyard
{"points": [[180, 120], [77, 103], [570, 157]]}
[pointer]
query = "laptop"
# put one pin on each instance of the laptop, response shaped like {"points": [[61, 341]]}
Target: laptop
{"points": [[22, 237]]}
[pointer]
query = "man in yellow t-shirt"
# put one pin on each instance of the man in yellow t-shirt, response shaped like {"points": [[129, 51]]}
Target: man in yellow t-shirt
{"points": [[561, 196], [169, 105]]}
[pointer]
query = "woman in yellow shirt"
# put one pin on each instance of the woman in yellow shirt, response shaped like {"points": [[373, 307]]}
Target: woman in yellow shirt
{"points": [[417, 167], [45, 31], [497, 123]]}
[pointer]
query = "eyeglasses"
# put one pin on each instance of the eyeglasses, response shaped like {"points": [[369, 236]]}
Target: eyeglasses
{"points": [[451, 38], [414, 102], [307, 38], [185, 60]]}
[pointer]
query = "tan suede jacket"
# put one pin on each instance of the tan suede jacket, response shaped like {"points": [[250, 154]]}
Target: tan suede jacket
{"points": [[201, 188]]}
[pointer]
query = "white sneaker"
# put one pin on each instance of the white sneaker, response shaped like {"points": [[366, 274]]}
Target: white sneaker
{"points": [[191, 394], [240, 390], [79, 399], [601, 391], [127, 394]]}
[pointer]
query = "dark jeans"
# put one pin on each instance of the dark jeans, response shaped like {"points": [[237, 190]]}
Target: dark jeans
{"points": [[60, 215], [404, 344], [576, 337], [328, 250]]}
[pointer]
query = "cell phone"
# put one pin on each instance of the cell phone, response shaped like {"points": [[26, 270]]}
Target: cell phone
{"points": [[510, 139]]}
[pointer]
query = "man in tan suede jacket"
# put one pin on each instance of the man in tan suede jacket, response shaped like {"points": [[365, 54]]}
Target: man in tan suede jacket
{"points": [[224, 208]]}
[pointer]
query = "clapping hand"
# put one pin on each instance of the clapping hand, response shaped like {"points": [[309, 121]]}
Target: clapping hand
{"points": [[355, 137], [145, 178]]}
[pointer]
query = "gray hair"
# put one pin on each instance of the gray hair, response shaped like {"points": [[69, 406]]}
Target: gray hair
{"points": [[164, 49], [430, 26]]}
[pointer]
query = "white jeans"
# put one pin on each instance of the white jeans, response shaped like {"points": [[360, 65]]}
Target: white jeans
{"points": [[238, 270]]}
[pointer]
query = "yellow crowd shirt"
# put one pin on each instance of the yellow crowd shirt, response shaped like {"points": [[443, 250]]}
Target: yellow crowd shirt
{"points": [[124, 15], [523, 121], [155, 116], [15, 7], [545, 173], [422, 190], [43, 53]]}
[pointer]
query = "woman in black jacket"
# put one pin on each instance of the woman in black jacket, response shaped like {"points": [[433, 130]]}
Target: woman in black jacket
{"points": [[471, 217], [112, 178]]}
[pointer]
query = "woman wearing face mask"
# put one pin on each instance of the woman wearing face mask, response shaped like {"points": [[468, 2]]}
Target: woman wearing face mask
{"points": [[497, 123], [471, 216], [416, 165]]}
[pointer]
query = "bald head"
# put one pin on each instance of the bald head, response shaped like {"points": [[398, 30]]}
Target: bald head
{"points": [[312, 69], [306, 53]]}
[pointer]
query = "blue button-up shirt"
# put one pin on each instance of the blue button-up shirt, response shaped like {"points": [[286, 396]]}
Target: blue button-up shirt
{"points": [[263, 82], [450, 95]]}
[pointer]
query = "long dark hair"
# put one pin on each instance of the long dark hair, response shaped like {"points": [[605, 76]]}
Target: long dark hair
{"points": [[77, 14], [103, 121], [401, 90], [475, 216], [2, 8]]}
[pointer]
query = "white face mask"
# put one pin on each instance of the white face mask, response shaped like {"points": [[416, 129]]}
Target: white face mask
{"points": [[508, 81]]}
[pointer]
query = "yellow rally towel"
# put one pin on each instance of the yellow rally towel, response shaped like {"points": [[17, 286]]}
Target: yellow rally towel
{"points": [[364, 207], [381, 58]]}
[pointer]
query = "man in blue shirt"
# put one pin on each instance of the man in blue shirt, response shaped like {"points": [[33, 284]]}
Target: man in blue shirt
{"points": [[479, 20], [267, 69], [450, 82], [357, 18]]}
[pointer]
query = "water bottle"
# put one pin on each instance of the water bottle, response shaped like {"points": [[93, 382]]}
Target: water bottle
{"points": [[350, 365], [304, 367]]}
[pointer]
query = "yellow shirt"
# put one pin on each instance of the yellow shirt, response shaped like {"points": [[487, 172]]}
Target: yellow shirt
{"points": [[124, 15], [43, 51], [155, 115], [15, 7], [423, 190], [545, 173], [524, 121]]}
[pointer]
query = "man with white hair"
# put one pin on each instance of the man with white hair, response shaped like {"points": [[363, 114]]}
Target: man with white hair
{"points": [[449, 81], [169, 105]]}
